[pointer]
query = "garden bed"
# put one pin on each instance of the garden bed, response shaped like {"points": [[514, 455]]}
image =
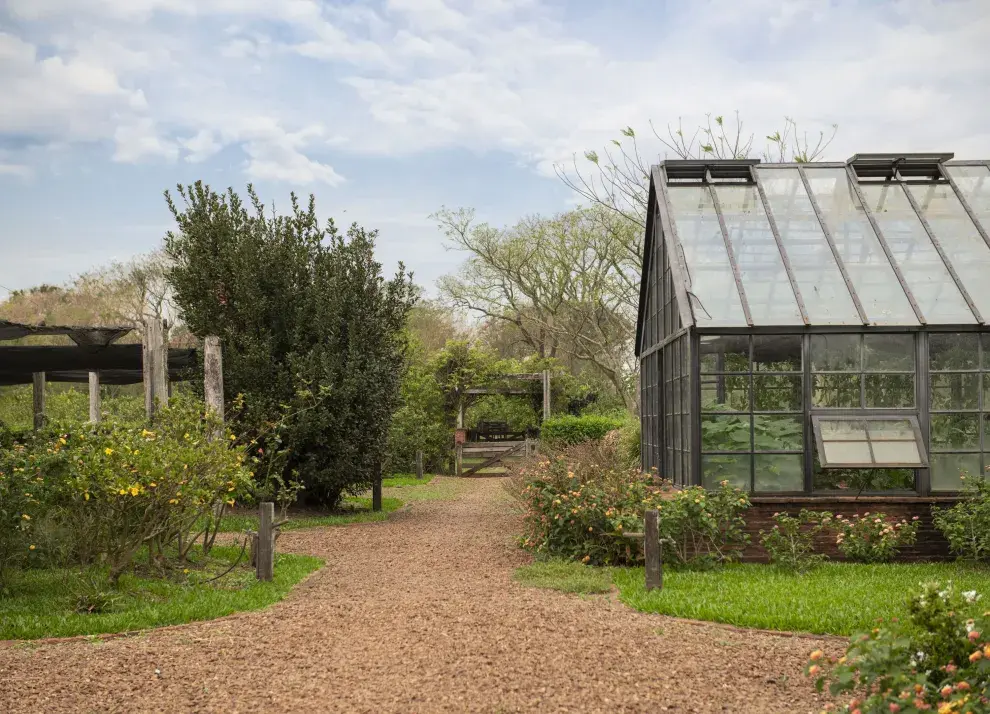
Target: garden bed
{"points": [[833, 598], [45, 603]]}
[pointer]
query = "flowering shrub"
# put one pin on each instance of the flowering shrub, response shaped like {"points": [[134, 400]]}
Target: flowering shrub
{"points": [[791, 542], [111, 489], [873, 538], [966, 525], [579, 502], [936, 661]]}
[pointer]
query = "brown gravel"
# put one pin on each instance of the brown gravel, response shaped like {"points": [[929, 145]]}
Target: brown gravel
{"points": [[419, 614]]}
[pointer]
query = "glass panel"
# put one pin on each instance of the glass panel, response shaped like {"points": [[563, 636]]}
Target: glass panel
{"points": [[896, 452], [837, 391], [734, 469], [777, 433], [725, 433], [847, 452], [955, 391], [891, 430], [951, 350], [725, 393], [889, 391], [826, 297], [961, 242], [779, 472], [985, 344], [835, 353], [777, 392], [712, 281], [842, 430], [888, 353], [924, 272], [947, 468], [974, 184], [869, 270], [768, 290], [856, 480], [955, 432], [777, 353], [725, 353]]}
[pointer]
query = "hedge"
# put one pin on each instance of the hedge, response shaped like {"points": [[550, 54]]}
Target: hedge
{"points": [[569, 430]]}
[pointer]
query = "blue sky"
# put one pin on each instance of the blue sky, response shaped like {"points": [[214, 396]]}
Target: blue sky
{"points": [[387, 110]]}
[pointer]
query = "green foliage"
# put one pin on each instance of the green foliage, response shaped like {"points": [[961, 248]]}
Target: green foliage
{"points": [[68, 404], [313, 334], [73, 601], [791, 542], [517, 413], [873, 538], [936, 659], [420, 423], [578, 503], [834, 598], [565, 576], [966, 525], [100, 493], [569, 430]]}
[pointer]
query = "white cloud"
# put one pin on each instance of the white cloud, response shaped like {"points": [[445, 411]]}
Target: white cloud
{"points": [[159, 78]]}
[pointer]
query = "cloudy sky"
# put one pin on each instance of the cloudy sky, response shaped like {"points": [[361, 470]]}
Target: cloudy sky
{"points": [[389, 109]]}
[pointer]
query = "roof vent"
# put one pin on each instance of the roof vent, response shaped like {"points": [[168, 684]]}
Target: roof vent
{"points": [[896, 167], [710, 170]]}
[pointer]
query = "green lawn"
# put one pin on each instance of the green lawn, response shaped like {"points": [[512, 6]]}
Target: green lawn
{"points": [[402, 480], [354, 510], [834, 598], [47, 603]]}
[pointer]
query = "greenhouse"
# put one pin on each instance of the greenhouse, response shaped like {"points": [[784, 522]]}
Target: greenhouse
{"points": [[817, 329]]}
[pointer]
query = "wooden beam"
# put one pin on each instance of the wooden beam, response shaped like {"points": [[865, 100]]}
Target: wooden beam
{"points": [[213, 379], [265, 569], [155, 369], [546, 394], [94, 398], [39, 400], [419, 464], [376, 490], [651, 550]]}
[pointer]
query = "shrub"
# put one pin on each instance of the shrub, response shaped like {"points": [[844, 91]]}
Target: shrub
{"points": [[791, 542], [579, 502], [966, 525], [936, 660], [568, 430], [112, 489], [873, 538]]}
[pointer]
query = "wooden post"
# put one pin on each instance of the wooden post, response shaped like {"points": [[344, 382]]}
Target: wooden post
{"points": [[266, 542], [213, 379], [419, 464], [651, 551], [458, 458], [94, 398], [154, 366], [39, 400], [376, 490], [546, 394]]}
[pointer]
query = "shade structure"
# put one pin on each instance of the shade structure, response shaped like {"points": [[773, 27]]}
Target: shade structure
{"points": [[778, 298]]}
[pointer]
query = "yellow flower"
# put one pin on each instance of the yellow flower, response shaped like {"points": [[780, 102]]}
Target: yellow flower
{"points": [[185, 570], [135, 490], [62, 441], [173, 501], [153, 485], [108, 451], [31, 547], [123, 492], [147, 434], [233, 438], [25, 517], [86, 495]]}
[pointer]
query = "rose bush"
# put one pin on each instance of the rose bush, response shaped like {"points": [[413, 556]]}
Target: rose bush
{"points": [[966, 525], [579, 501], [938, 660], [873, 538], [791, 542]]}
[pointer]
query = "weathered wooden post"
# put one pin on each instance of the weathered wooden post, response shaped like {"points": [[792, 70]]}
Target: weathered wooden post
{"points": [[39, 400], [213, 379], [651, 551], [546, 394], [94, 397], [155, 366], [376, 489], [265, 555], [419, 464]]}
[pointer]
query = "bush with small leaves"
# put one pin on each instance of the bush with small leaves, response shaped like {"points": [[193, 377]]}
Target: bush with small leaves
{"points": [[791, 542]]}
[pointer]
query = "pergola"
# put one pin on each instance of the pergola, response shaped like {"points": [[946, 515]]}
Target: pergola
{"points": [[94, 358]]}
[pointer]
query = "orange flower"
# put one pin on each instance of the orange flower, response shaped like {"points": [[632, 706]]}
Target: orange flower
{"points": [[976, 656]]}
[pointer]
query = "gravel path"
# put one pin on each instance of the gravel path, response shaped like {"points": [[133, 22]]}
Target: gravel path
{"points": [[419, 614]]}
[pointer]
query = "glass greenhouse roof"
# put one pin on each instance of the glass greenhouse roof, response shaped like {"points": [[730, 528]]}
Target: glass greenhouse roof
{"points": [[882, 239]]}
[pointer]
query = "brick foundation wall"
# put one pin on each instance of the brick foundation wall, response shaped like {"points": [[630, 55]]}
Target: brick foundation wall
{"points": [[930, 544]]}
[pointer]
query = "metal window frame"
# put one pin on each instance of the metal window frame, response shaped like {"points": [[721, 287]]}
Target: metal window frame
{"points": [[868, 416], [736, 272], [831, 244], [854, 183], [962, 199], [680, 276]]}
